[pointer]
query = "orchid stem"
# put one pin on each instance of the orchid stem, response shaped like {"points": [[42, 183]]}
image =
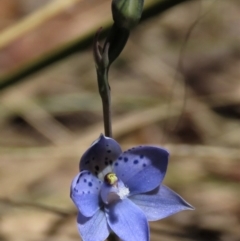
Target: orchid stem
{"points": [[113, 237], [105, 93]]}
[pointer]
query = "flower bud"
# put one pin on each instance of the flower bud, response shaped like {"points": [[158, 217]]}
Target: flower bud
{"points": [[127, 13]]}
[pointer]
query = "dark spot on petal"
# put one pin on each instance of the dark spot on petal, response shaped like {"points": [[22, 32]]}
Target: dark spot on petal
{"points": [[109, 151], [107, 145], [97, 168], [97, 188], [135, 161], [120, 158], [96, 173], [125, 159], [99, 182], [141, 156], [88, 192], [78, 179], [89, 173], [144, 165], [85, 180], [89, 184], [83, 192], [116, 164], [110, 162], [87, 162], [106, 163]]}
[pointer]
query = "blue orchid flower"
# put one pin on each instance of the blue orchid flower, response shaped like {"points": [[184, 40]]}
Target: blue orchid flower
{"points": [[121, 191]]}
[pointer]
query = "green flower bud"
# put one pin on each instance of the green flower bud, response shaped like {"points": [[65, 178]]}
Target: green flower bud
{"points": [[127, 13]]}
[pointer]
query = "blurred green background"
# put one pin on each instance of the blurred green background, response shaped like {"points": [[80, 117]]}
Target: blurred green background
{"points": [[176, 84]]}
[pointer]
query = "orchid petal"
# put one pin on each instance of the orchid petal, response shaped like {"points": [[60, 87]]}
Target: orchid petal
{"points": [[142, 169], [127, 221], [99, 157], [94, 228], [85, 190], [160, 203]]}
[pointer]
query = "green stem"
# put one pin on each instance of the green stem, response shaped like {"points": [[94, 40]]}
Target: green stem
{"points": [[113, 237], [104, 90]]}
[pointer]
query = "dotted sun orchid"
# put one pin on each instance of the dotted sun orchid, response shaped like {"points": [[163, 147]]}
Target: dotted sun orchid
{"points": [[120, 192]]}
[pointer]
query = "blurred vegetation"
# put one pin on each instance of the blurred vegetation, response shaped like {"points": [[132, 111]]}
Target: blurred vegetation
{"points": [[176, 84]]}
